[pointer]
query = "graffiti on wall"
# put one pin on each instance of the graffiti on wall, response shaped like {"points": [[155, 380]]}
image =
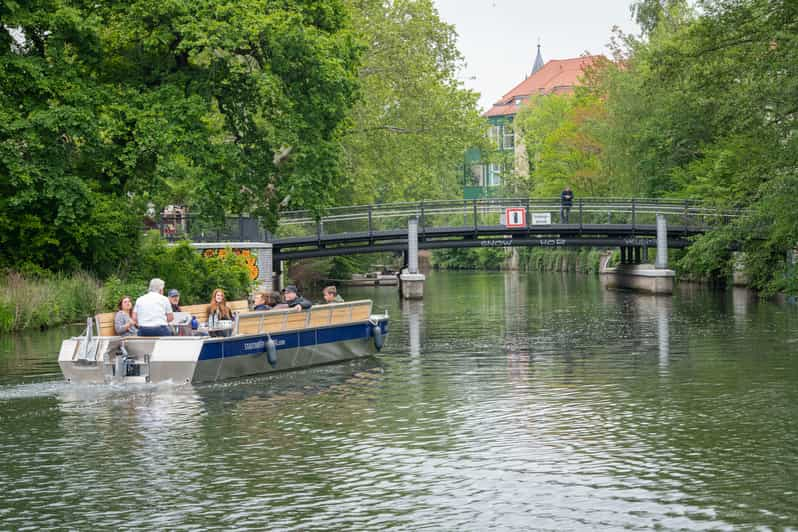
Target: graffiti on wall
{"points": [[251, 260]]}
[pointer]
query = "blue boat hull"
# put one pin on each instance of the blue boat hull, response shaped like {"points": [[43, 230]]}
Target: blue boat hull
{"points": [[203, 359]]}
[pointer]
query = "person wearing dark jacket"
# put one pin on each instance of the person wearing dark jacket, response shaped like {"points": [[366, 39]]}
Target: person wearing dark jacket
{"points": [[292, 298], [260, 302], [566, 201]]}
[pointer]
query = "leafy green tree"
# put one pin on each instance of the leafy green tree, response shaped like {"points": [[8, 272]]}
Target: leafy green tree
{"points": [[414, 121], [226, 106], [706, 106], [564, 147]]}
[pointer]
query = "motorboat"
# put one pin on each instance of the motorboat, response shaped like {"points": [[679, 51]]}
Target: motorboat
{"points": [[254, 342]]}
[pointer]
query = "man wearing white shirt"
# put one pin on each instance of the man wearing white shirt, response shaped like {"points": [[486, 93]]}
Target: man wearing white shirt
{"points": [[153, 311]]}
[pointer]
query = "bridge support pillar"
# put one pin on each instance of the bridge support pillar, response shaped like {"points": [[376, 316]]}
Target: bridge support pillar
{"points": [[631, 274], [739, 276], [266, 269], [662, 243], [277, 272], [411, 282]]}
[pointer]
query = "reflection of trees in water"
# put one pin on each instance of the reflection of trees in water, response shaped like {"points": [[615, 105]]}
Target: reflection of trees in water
{"points": [[33, 353]]}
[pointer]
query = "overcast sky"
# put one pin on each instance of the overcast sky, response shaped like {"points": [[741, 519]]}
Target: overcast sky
{"points": [[499, 37]]}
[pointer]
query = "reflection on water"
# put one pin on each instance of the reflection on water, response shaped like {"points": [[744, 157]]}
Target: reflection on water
{"points": [[31, 355], [507, 401]]}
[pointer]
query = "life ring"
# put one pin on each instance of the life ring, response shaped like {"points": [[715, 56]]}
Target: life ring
{"points": [[271, 352]]}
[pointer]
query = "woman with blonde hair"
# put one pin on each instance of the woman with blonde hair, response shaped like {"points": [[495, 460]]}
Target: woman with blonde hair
{"points": [[218, 309]]}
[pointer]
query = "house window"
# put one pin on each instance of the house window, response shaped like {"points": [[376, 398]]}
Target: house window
{"points": [[494, 175], [495, 135], [477, 174], [508, 138]]}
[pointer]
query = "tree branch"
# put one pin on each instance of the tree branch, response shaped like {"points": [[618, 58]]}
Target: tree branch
{"points": [[392, 129]]}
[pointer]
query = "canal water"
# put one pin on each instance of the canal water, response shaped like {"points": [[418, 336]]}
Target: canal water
{"points": [[502, 401]]}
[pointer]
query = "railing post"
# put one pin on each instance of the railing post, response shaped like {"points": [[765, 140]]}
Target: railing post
{"points": [[634, 217], [686, 210], [580, 216], [318, 232], [528, 214], [475, 217], [421, 218], [371, 229]]}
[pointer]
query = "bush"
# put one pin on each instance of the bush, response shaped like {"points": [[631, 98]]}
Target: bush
{"points": [[583, 260], [115, 288], [469, 258], [41, 302], [181, 267]]}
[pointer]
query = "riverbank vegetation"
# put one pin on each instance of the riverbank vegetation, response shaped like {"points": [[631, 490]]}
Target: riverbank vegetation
{"points": [[46, 300], [582, 260]]}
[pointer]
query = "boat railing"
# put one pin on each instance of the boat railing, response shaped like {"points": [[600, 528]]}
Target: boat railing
{"points": [[275, 321]]}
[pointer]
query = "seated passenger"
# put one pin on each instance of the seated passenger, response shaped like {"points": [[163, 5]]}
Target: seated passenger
{"points": [[260, 302], [330, 294], [174, 299], [275, 301], [292, 298], [153, 312], [218, 309], [123, 321]]}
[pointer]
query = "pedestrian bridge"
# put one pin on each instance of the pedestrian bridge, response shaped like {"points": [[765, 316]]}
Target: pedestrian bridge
{"points": [[633, 225], [629, 224]]}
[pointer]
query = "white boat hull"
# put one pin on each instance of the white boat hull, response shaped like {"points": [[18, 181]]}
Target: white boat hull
{"points": [[193, 359]]}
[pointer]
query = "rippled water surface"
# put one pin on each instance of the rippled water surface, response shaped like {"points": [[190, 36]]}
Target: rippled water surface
{"points": [[501, 401]]}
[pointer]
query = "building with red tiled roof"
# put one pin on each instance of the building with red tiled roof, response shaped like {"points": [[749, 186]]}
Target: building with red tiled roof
{"points": [[558, 76]]}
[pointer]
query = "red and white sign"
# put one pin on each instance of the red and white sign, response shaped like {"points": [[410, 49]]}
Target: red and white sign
{"points": [[515, 217]]}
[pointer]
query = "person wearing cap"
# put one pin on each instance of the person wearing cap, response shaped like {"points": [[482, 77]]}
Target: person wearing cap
{"points": [[174, 299], [330, 294], [292, 298]]}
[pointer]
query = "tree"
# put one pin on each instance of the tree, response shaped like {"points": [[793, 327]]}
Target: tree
{"points": [[414, 121], [706, 107], [227, 106], [561, 136]]}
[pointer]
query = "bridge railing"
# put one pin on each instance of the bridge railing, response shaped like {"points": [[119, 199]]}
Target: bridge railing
{"points": [[475, 213], [366, 219]]}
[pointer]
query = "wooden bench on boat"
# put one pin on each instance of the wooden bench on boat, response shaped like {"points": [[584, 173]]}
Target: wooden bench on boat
{"points": [[274, 321], [201, 311], [104, 322]]}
